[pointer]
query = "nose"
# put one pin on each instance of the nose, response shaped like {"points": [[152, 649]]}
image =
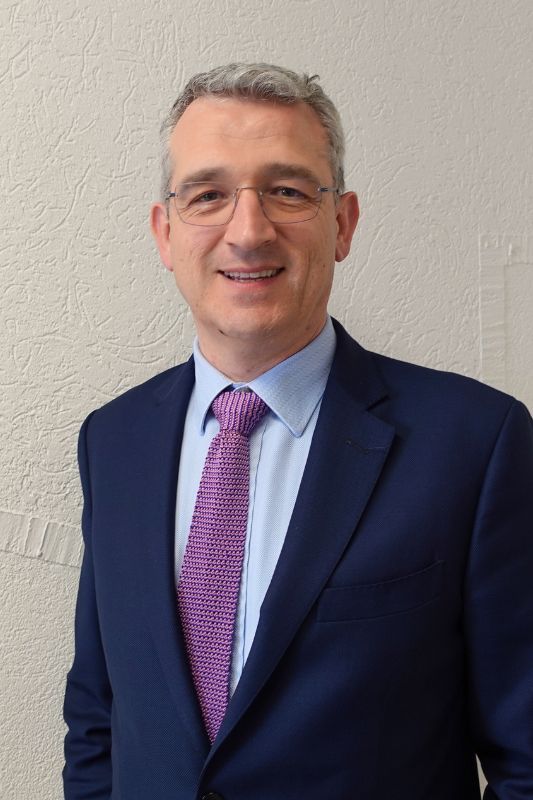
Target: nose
{"points": [[249, 228]]}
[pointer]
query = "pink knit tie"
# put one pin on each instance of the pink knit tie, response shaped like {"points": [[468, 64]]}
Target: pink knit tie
{"points": [[210, 577]]}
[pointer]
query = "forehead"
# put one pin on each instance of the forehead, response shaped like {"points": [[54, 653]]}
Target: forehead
{"points": [[245, 136]]}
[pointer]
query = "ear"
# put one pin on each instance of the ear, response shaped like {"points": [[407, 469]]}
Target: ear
{"points": [[347, 213], [160, 227]]}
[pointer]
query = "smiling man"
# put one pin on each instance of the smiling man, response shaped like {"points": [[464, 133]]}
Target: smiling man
{"points": [[307, 567], [264, 224]]}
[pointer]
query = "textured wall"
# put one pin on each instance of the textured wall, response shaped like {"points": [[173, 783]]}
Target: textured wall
{"points": [[437, 104]]}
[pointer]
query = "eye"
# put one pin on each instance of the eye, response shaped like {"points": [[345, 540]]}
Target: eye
{"points": [[200, 195], [209, 196], [287, 192]]}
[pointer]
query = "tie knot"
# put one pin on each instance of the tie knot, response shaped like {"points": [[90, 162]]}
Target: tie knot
{"points": [[239, 411]]}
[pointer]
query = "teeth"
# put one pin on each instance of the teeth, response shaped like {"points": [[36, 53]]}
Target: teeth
{"points": [[251, 276]]}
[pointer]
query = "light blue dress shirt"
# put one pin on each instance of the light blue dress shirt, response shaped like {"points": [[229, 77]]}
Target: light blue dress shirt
{"points": [[279, 447]]}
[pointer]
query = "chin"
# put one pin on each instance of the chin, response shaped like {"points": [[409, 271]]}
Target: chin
{"points": [[250, 326], [245, 333]]}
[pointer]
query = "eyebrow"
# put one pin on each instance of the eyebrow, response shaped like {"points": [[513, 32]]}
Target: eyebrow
{"points": [[276, 169]]}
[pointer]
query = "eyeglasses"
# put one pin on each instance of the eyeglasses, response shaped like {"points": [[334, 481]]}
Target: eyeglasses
{"points": [[212, 203]]}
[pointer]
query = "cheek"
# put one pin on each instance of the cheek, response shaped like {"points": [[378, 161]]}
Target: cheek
{"points": [[193, 245], [186, 276], [190, 260], [321, 271], [320, 246]]}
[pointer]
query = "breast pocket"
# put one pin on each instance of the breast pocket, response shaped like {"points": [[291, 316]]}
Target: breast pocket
{"points": [[370, 600]]}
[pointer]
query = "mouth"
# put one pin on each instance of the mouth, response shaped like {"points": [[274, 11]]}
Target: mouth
{"points": [[252, 277]]}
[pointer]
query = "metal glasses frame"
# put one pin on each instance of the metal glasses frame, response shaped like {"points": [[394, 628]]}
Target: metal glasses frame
{"points": [[260, 193]]}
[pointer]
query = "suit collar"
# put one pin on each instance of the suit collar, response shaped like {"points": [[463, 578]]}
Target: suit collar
{"points": [[353, 370], [355, 373]]}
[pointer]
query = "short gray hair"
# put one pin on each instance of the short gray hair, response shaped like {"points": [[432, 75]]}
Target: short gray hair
{"points": [[258, 82]]}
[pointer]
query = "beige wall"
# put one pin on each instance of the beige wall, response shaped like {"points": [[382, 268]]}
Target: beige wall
{"points": [[437, 104]]}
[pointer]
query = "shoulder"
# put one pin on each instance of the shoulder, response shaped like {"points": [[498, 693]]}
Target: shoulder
{"points": [[442, 409], [132, 406], [422, 396], [437, 385]]}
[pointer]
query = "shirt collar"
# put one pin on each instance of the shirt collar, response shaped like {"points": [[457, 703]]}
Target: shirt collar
{"points": [[292, 389]]}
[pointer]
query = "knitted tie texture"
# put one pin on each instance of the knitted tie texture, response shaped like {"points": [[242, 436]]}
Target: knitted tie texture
{"points": [[209, 583]]}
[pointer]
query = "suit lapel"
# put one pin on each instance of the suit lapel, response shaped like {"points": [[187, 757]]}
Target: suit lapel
{"points": [[160, 447], [347, 454]]}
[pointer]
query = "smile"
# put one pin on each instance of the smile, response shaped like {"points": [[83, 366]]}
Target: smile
{"points": [[252, 276]]}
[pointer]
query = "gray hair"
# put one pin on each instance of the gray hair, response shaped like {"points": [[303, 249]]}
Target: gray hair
{"points": [[258, 82]]}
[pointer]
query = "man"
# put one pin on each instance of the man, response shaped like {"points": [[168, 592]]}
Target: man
{"points": [[375, 632]]}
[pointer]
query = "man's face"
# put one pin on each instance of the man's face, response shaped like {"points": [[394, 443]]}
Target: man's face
{"points": [[242, 143]]}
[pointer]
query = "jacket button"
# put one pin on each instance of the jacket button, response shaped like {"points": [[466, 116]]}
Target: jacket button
{"points": [[212, 796]]}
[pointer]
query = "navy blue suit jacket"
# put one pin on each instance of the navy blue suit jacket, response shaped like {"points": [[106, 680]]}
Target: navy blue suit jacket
{"points": [[396, 637]]}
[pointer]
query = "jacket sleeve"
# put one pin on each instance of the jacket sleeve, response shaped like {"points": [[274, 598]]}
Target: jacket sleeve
{"points": [[499, 614], [88, 696]]}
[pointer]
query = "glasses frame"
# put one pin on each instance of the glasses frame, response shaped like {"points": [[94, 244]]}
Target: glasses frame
{"points": [[321, 190]]}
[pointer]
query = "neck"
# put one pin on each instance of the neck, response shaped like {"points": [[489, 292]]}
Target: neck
{"points": [[242, 360]]}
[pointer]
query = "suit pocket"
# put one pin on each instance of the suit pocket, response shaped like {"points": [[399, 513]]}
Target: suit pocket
{"points": [[370, 600]]}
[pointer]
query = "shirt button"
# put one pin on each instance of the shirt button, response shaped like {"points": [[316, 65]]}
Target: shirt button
{"points": [[212, 796]]}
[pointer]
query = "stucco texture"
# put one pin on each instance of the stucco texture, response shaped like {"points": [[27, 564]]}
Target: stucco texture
{"points": [[437, 104]]}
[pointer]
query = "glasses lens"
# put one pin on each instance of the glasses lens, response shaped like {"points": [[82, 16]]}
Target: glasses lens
{"points": [[212, 203], [204, 203], [294, 200]]}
